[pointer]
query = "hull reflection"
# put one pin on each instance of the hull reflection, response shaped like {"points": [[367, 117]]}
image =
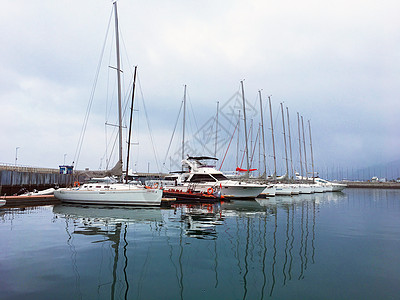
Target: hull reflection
{"points": [[260, 246]]}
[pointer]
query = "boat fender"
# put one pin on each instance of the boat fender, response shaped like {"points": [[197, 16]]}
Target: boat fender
{"points": [[155, 186], [76, 183], [210, 191]]}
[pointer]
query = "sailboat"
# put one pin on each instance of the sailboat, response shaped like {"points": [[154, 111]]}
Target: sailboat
{"points": [[118, 192]]}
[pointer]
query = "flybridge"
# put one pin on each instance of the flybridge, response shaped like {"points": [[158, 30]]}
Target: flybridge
{"points": [[202, 157]]}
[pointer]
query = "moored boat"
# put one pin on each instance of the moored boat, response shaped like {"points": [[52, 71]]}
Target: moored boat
{"points": [[203, 177], [121, 192], [283, 189]]}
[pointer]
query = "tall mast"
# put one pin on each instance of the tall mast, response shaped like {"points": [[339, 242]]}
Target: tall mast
{"points": [[259, 149], [216, 132], [119, 84], [305, 151], [290, 143], [284, 139], [130, 125], [263, 138], [245, 132], [301, 163], [273, 139], [312, 156], [183, 126], [238, 139]]}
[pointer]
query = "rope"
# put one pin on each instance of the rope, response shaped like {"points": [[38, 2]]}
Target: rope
{"points": [[148, 126], [173, 133], [229, 145], [89, 106]]}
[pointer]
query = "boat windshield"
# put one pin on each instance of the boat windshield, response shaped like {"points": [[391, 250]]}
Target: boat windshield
{"points": [[219, 176]]}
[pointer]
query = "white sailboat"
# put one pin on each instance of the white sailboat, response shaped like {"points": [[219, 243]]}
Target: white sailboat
{"points": [[114, 193]]}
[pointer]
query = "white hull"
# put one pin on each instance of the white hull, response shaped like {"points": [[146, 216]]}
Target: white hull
{"points": [[295, 189], [242, 191], [327, 187], [306, 189], [317, 188], [231, 189], [269, 191], [283, 190], [338, 187], [49, 191], [120, 196]]}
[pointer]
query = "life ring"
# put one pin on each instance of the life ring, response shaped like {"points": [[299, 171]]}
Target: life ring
{"points": [[210, 191], [155, 185], [76, 183]]}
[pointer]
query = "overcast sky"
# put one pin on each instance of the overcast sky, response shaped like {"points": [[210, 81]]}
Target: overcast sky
{"points": [[337, 63]]}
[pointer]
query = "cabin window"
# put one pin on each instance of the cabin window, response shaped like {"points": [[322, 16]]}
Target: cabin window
{"points": [[201, 178], [219, 176]]}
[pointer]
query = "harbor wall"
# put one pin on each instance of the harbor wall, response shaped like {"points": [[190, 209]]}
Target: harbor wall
{"points": [[372, 185], [14, 180]]}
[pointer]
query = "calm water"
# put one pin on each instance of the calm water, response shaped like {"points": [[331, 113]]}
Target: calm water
{"points": [[324, 246]]}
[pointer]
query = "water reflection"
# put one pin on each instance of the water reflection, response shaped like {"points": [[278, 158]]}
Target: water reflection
{"points": [[108, 225], [200, 221], [240, 248]]}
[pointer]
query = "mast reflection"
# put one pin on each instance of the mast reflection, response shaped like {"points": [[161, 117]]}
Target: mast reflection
{"points": [[111, 226], [246, 249]]}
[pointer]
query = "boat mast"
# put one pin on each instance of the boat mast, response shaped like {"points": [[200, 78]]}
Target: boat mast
{"points": [[184, 120], [119, 85], [238, 139], [130, 125], [245, 132], [273, 139], [312, 156], [290, 143], [301, 163], [284, 139], [305, 151], [216, 131], [263, 138]]}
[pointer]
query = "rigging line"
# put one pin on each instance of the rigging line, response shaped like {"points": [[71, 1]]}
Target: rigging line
{"points": [[124, 46], [229, 145], [191, 106], [244, 151], [148, 126], [86, 119], [115, 135], [210, 133], [125, 105], [192, 119], [234, 119], [254, 148], [170, 142]]}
